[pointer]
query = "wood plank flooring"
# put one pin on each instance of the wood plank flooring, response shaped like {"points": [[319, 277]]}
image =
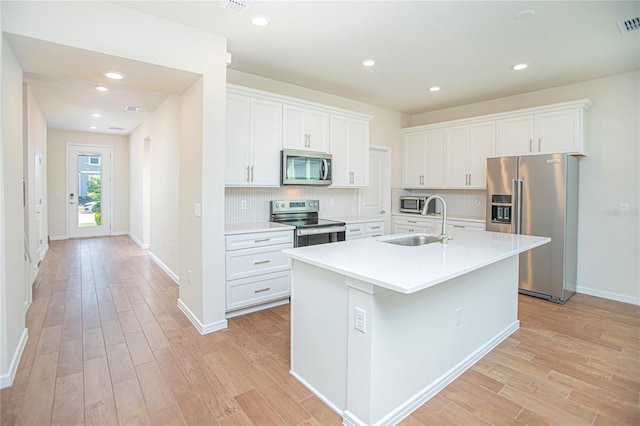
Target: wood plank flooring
{"points": [[108, 345]]}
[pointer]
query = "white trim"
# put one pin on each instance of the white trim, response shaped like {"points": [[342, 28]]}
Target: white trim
{"points": [[58, 237], [119, 233], [608, 295], [257, 308], [318, 394], [44, 252], [165, 268], [138, 242], [202, 328], [6, 380]]}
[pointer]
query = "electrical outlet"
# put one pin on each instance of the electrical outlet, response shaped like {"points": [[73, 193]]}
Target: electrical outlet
{"points": [[458, 316], [361, 320], [623, 209], [243, 204]]}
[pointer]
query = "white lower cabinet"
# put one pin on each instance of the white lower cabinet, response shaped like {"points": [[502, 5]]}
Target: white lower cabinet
{"points": [[360, 230], [404, 224], [257, 273]]}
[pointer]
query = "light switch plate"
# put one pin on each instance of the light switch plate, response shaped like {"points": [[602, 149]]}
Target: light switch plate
{"points": [[361, 320], [623, 209]]}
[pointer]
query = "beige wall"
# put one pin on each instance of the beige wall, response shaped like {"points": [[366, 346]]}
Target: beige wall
{"points": [[57, 182], [384, 129], [609, 247]]}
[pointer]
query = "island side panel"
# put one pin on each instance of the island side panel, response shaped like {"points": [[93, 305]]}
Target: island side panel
{"points": [[416, 346], [319, 302]]}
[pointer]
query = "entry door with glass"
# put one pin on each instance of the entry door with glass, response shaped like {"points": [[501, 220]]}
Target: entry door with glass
{"points": [[89, 191]]}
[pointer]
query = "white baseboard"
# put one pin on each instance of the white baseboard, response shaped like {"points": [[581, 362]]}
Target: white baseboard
{"points": [[413, 403], [6, 379], [138, 242], [119, 233], [58, 237], [313, 390], [202, 328], [257, 308], [165, 268], [608, 295]]}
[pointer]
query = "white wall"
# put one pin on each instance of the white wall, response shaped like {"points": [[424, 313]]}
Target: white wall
{"points": [[384, 129], [13, 284], [162, 130], [57, 168], [608, 243]]}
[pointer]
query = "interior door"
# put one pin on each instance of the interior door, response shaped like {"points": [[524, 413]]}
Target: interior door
{"points": [[89, 190], [375, 199]]}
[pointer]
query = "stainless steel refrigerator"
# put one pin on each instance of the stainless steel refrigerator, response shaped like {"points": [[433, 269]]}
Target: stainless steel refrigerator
{"points": [[538, 195]]}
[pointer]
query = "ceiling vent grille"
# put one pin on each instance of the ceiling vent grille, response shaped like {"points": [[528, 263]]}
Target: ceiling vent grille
{"points": [[629, 25], [132, 108], [119, 129], [237, 6]]}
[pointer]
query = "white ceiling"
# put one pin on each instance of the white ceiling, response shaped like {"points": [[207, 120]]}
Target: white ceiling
{"points": [[466, 48]]}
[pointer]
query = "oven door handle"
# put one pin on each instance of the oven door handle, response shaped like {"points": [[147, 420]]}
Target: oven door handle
{"points": [[321, 230]]}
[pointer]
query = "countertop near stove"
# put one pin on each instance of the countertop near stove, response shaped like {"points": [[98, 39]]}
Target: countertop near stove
{"points": [[243, 228], [356, 219]]}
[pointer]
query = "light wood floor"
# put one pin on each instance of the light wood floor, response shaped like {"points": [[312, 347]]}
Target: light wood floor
{"points": [[108, 345]]}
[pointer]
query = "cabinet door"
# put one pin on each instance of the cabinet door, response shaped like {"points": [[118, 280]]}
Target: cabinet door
{"points": [[237, 140], [266, 129], [515, 136], [294, 127], [456, 157], [340, 172], [434, 159], [413, 149], [558, 132], [317, 123], [359, 152], [482, 142]]}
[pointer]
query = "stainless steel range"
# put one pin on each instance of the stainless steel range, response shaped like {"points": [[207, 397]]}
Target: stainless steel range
{"points": [[310, 230]]}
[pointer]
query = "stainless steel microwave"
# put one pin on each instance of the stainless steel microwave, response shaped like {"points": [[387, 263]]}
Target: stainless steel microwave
{"points": [[305, 168], [416, 204]]}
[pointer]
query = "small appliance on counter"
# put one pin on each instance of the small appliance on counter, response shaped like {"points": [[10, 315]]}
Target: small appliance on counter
{"points": [[310, 230], [412, 204], [305, 168], [538, 195]]}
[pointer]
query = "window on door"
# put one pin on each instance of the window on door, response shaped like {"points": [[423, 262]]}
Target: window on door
{"points": [[89, 190]]}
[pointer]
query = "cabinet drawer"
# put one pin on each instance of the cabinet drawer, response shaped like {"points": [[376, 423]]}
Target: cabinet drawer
{"points": [[376, 228], [256, 290], [354, 231], [258, 239], [250, 262], [415, 223]]}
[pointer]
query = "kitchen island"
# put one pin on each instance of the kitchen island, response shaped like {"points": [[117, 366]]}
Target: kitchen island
{"points": [[378, 328]]}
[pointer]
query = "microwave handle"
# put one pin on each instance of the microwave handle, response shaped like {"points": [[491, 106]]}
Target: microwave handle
{"points": [[325, 169]]}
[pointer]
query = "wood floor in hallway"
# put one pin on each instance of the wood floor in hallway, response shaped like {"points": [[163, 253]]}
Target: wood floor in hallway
{"points": [[108, 345]]}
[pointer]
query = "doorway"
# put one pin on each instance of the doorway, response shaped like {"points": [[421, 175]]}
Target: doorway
{"points": [[375, 200], [89, 190]]}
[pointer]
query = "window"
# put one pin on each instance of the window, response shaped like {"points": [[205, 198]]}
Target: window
{"points": [[94, 161]]}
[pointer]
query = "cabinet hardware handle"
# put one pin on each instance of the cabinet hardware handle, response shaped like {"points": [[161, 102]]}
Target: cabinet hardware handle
{"points": [[375, 235], [412, 221], [262, 290], [248, 174], [261, 262], [376, 227], [539, 145], [458, 226], [530, 145], [251, 173], [355, 230], [262, 240]]}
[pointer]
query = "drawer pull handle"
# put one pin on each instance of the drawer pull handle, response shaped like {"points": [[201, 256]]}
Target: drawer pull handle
{"points": [[262, 240], [262, 290], [355, 230], [376, 227], [412, 221], [261, 262], [458, 226]]}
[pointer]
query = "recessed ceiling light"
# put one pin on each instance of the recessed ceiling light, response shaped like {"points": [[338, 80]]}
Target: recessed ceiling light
{"points": [[93, 127], [96, 115], [434, 88], [368, 62], [520, 67], [102, 89], [113, 75], [260, 21], [524, 14]]}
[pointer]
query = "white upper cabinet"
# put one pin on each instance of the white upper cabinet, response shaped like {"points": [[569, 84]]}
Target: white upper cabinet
{"points": [[423, 155], [305, 129], [350, 151], [253, 141], [561, 129], [466, 151]]}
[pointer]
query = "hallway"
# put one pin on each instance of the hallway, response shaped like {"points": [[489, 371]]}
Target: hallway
{"points": [[108, 345]]}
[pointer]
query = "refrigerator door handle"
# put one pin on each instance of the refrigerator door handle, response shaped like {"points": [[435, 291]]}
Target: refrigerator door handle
{"points": [[517, 217]]}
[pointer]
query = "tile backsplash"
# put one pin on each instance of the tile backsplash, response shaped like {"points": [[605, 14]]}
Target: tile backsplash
{"points": [[333, 202]]}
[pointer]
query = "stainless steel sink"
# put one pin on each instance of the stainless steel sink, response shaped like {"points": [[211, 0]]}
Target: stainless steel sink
{"points": [[414, 240]]}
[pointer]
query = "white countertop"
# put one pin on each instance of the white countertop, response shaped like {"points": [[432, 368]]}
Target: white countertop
{"points": [[356, 219], [411, 269], [243, 228]]}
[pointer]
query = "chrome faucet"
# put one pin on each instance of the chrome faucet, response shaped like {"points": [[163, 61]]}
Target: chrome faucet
{"points": [[444, 238]]}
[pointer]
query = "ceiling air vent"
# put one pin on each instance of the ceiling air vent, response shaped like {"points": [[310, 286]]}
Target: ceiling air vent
{"points": [[236, 6], [119, 129], [132, 108], [629, 25]]}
